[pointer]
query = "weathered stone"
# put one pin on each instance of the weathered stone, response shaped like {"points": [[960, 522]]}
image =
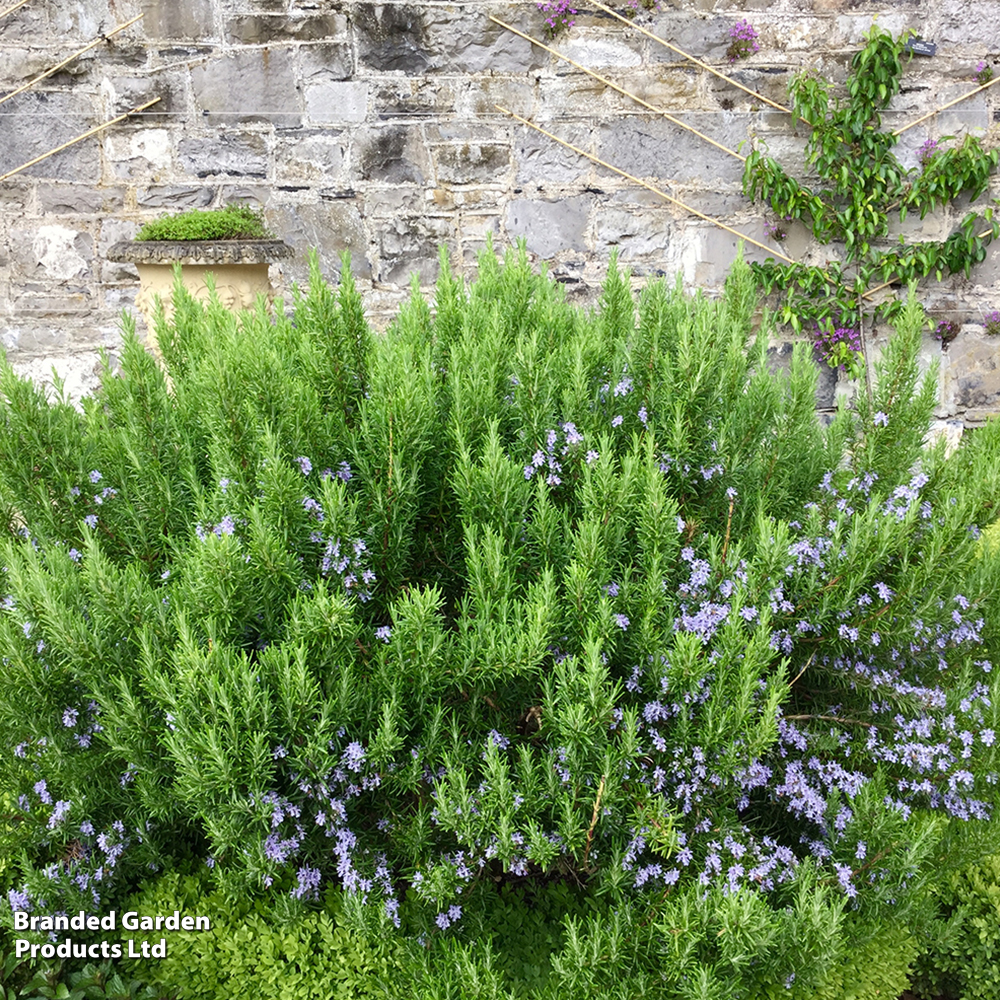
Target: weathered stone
{"points": [[394, 154], [248, 85], [661, 150], [539, 159], [140, 154], [548, 226], [25, 24], [472, 163], [174, 197], [706, 38], [261, 29], [717, 249], [241, 153], [971, 375], [123, 93], [315, 157], [36, 122], [329, 227], [408, 246], [79, 199], [330, 60], [406, 97], [192, 19], [21, 64], [51, 252], [595, 51], [949, 24], [481, 95], [115, 231], [334, 102], [410, 201], [636, 234], [391, 37]]}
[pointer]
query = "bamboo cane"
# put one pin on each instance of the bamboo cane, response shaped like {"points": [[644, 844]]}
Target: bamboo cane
{"points": [[641, 183], [681, 52], [10, 10], [67, 61], [621, 90], [958, 100], [79, 138]]}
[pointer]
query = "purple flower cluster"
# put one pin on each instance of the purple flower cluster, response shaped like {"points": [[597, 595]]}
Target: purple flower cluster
{"points": [[548, 462], [743, 43], [991, 323], [927, 152], [560, 15], [834, 345], [347, 561], [319, 802]]}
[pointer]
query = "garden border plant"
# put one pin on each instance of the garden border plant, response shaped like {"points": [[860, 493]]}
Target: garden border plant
{"points": [[863, 187], [512, 596]]}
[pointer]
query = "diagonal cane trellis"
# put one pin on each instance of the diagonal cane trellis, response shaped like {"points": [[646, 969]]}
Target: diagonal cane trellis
{"points": [[867, 294], [55, 69]]}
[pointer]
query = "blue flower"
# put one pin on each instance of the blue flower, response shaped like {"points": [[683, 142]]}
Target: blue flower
{"points": [[304, 464]]}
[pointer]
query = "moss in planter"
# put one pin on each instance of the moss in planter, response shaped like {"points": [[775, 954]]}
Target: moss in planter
{"points": [[234, 222]]}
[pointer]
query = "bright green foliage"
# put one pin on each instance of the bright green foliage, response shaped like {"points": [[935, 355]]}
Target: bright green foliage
{"points": [[28, 979], [862, 187], [959, 953], [511, 595], [234, 222], [255, 952]]}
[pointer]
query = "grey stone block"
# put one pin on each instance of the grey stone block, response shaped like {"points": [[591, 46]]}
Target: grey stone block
{"points": [[392, 37], [330, 60], [636, 234], [394, 154], [662, 150], [52, 253], [37, 122], [192, 19], [328, 227], [174, 197], [336, 102], [248, 85], [79, 199], [971, 375], [244, 154], [313, 157], [261, 29], [408, 246], [472, 163], [540, 160], [549, 226], [139, 153], [125, 92], [392, 98]]}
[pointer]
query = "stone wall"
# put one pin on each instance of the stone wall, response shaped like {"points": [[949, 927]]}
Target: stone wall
{"points": [[372, 127]]}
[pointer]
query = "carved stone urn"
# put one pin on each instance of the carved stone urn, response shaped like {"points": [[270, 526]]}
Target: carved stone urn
{"points": [[239, 267]]}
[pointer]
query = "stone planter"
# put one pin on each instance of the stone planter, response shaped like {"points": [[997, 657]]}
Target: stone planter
{"points": [[240, 268]]}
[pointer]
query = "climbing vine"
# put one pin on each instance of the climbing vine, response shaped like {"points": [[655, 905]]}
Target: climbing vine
{"points": [[862, 187]]}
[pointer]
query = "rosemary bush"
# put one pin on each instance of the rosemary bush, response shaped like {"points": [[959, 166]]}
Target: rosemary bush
{"points": [[511, 595]]}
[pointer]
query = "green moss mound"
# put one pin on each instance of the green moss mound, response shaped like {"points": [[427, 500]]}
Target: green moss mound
{"points": [[234, 222]]}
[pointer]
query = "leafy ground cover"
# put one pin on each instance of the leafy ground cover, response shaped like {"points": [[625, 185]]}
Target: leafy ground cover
{"points": [[516, 624]]}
